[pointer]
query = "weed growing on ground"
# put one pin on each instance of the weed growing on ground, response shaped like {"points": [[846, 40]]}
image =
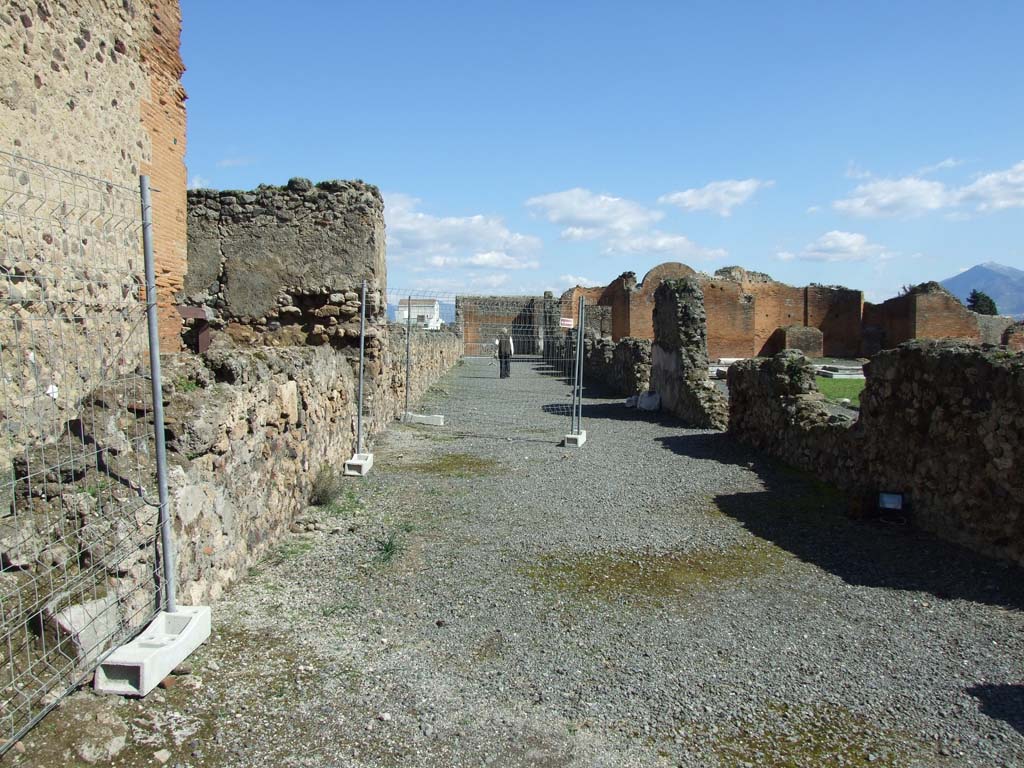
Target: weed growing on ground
{"points": [[326, 487], [186, 385], [335, 609], [387, 547]]}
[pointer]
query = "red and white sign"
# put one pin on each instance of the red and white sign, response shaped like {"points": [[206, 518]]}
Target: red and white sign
{"points": [[566, 322]]}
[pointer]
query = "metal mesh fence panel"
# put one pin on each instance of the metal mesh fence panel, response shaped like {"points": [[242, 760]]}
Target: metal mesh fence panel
{"points": [[517, 369], [78, 516]]}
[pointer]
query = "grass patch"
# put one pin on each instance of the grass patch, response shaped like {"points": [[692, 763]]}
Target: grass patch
{"points": [[185, 384], [790, 737], [456, 465], [631, 574], [837, 389], [327, 486]]}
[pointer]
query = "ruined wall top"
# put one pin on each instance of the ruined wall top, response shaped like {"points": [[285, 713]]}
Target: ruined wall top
{"points": [[255, 253]]}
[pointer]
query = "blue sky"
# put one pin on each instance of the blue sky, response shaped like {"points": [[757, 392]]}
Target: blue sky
{"points": [[525, 146]]}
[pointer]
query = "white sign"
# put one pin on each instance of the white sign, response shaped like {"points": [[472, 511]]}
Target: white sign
{"points": [[566, 322]]}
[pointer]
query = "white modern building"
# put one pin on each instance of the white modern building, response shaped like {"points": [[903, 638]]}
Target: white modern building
{"points": [[426, 313]]}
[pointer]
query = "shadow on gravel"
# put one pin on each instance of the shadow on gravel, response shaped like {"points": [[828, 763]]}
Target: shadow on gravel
{"points": [[809, 519], [1002, 702]]}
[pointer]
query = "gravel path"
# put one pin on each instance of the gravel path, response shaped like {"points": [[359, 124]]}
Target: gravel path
{"points": [[659, 597]]}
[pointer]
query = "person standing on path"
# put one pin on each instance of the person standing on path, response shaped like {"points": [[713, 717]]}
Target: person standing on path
{"points": [[505, 351]]}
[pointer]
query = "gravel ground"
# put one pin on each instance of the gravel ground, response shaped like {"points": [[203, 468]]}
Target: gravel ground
{"points": [[659, 597]]}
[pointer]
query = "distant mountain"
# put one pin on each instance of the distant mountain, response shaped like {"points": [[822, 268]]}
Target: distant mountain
{"points": [[1004, 284]]}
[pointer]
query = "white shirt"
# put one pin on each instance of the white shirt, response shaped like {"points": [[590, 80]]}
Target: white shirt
{"points": [[511, 344]]}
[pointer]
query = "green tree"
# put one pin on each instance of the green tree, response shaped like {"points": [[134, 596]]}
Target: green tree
{"points": [[981, 303]]}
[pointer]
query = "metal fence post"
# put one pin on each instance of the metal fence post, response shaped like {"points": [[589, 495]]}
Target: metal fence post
{"points": [[579, 377], [158, 400], [362, 365], [408, 353]]}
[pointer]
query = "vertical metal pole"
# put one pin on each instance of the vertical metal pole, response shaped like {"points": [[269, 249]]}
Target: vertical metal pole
{"points": [[408, 353], [579, 378], [158, 398], [362, 366]]}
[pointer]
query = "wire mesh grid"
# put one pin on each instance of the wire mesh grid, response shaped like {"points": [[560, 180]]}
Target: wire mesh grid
{"points": [[78, 524], [518, 368]]}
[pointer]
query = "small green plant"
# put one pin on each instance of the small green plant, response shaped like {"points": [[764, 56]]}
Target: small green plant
{"points": [[387, 547], [334, 609], [289, 549], [185, 384], [346, 504], [99, 488], [327, 486]]}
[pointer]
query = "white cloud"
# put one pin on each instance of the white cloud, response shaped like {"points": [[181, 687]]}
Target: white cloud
{"points": [[584, 215], [235, 162], [501, 260], [895, 197], [836, 246], [996, 191], [665, 245], [199, 182], [942, 165], [915, 195], [719, 196], [442, 241], [571, 281]]}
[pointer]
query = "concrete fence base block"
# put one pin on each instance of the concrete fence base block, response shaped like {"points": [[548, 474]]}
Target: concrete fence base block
{"points": [[575, 441], [436, 420], [136, 668], [359, 465]]}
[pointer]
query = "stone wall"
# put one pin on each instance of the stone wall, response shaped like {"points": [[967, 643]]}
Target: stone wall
{"points": [[679, 358], [95, 88], [433, 354], [940, 421], [618, 368]]}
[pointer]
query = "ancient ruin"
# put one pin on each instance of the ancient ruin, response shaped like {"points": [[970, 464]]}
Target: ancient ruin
{"points": [[518, 545]]}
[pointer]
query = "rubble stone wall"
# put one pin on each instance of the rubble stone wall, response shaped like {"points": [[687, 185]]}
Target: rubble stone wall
{"points": [[679, 356], [940, 421], [284, 266], [618, 368]]}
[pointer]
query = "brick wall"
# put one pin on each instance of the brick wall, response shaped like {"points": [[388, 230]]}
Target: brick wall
{"points": [[163, 118], [730, 319], [837, 313], [776, 305], [941, 316]]}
